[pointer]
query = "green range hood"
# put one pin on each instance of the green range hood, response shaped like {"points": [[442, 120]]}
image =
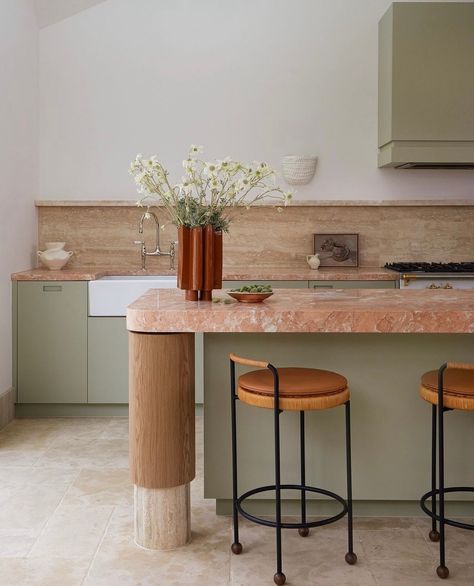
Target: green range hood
{"points": [[426, 85]]}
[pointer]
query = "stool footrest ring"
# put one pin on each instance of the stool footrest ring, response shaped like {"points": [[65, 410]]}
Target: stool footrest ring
{"points": [[272, 487], [451, 489]]}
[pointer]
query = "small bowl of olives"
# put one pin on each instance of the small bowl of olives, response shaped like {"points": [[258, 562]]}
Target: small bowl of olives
{"points": [[251, 293]]}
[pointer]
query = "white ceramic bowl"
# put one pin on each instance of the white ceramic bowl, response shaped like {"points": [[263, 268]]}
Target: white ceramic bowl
{"points": [[54, 260], [54, 245]]}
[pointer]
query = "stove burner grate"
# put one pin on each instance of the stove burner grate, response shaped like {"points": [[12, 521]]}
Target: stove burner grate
{"points": [[431, 267]]}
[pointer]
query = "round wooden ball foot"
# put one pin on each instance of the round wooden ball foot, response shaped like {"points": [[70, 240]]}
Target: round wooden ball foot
{"points": [[351, 558], [236, 548], [434, 535], [279, 579], [442, 572], [303, 531]]}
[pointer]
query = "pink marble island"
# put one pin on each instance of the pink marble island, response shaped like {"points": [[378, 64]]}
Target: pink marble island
{"points": [[303, 310], [381, 340]]}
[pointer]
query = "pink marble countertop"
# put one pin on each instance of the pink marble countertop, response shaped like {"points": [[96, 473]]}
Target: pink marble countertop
{"points": [[307, 274], [230, 274], [79, 274], [303, 310]]}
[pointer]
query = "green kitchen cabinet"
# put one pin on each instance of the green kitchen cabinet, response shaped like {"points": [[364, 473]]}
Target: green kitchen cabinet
{"points": [[426, 84], [107, 372], [52, 342], [107, 351], [352, 284]]}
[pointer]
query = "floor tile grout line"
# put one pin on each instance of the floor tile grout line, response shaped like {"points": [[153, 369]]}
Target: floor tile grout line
{"points": [[426, 541], [76, 476], [107, 525], [229, 552], [369, 567]]}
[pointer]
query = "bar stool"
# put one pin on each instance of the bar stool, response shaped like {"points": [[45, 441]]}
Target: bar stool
{"points": [[288, 389], [451, 387]]}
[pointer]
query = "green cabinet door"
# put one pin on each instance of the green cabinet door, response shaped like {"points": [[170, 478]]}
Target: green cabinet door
{"points": [[107, 372], [52, 342], [107, 352], [352, 284]]}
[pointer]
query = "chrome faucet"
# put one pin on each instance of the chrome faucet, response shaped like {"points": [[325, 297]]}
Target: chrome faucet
{"points": [[157, 252]]}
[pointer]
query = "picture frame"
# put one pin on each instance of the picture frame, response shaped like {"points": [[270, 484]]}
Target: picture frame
{"points": [[337, 250]]}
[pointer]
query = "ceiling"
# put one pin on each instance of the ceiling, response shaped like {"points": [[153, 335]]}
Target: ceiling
{"points": [[51, 11]]}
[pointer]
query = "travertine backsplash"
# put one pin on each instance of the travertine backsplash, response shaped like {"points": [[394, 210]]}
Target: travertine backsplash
{"points": [[261, 236]]}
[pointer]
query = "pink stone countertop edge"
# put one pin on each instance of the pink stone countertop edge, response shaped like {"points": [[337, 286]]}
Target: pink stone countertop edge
{"points": [[230, 274], [306, 310]]}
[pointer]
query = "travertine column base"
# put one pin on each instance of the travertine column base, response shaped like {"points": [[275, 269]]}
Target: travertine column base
{"points": [[162, 517]]}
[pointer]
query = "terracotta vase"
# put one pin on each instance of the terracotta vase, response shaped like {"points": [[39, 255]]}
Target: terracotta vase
{"points": [[199, 262]]}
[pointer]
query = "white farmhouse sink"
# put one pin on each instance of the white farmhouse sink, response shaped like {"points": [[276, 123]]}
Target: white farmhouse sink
{"points": [[110, 296]]}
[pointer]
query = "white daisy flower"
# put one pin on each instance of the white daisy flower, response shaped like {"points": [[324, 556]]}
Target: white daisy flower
{"points": [[195, 149]]}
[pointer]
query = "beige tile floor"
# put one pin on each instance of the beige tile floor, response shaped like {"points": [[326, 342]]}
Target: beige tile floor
{"points": [[66, 520]]}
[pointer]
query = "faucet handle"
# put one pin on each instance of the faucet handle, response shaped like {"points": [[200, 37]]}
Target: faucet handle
{"points": [[138, 242], [172, 253]]}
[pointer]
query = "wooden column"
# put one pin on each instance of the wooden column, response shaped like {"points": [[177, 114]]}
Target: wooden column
{"points": [[162, 437]]}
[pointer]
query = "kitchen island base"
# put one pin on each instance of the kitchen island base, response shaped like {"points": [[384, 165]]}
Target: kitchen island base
{"points": [[390, 422]]}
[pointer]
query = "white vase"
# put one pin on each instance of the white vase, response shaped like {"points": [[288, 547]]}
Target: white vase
{"points": [[313, 261]]}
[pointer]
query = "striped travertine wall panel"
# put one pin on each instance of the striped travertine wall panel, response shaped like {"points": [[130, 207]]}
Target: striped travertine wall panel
{"points": [[261, 236]]}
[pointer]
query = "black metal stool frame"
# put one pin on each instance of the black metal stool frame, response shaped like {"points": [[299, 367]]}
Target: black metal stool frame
{"points": [[303, 527], [437, 417]]}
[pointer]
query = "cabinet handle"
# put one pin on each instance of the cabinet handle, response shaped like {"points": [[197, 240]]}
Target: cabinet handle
{"points": [[323, 286], [51, 288]]}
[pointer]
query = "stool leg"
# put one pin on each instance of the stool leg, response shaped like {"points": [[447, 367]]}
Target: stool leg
{"points": [[441, 570], [236, 545], [303, 531], [434, 533], [350, 557], [279, 578]]}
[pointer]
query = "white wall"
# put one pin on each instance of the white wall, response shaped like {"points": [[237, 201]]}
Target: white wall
{"points": [[18, 156], [51, 11], [253, 79]]}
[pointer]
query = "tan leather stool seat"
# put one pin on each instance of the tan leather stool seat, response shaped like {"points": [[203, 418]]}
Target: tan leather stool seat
{"points": [[300, 389], [458, 388]]}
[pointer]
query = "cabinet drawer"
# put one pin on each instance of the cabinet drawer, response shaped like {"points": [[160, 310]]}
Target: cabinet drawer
{"points": [[352, 284], [52, 342]]}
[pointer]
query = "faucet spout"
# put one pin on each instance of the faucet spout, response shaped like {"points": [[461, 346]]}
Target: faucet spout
{"points": [[157, 251]]}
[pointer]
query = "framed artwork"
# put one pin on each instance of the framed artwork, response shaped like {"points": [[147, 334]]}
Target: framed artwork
{"points": [[337, 250]]}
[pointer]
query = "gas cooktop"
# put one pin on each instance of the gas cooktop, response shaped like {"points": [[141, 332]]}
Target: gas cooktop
{"points": [[431, 267]]}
